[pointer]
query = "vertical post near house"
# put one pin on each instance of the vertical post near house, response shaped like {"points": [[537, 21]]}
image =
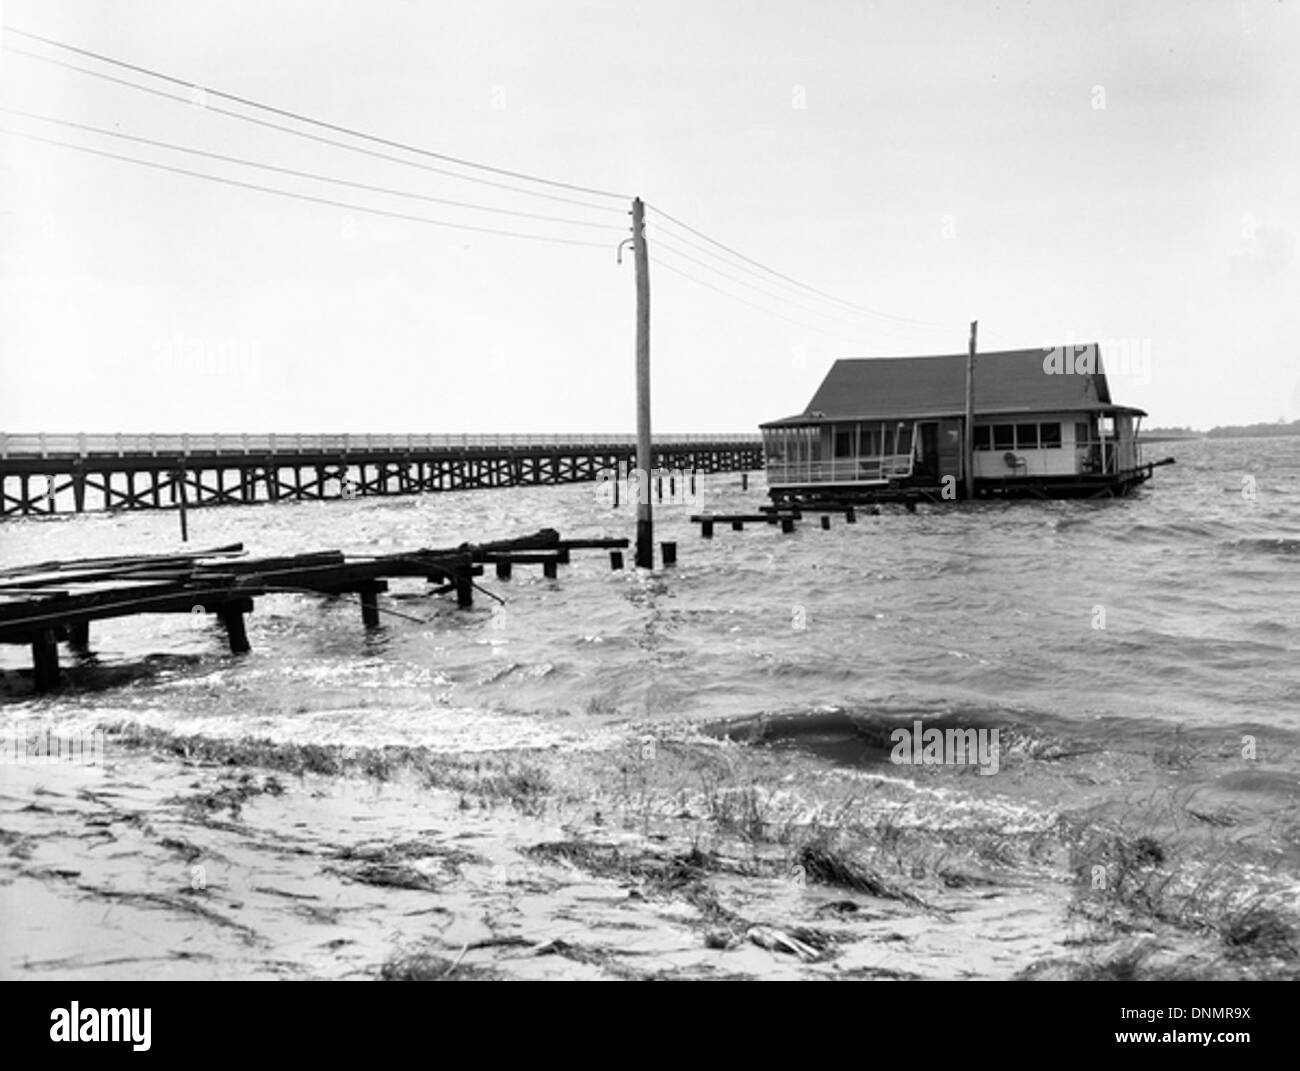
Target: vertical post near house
{"points": [[968, 428]]}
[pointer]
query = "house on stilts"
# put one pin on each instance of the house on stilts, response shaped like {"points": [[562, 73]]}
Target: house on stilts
{"points": [[894, 429]]}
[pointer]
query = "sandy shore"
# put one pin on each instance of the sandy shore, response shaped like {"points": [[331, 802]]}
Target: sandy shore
{"points": [[673, 858]]}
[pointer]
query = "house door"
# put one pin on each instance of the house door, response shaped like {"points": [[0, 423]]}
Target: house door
{"points": [[940, 450], [927, 463], [950, 449]]}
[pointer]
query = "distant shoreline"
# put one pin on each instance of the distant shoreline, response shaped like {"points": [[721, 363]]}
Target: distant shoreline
{"points": [[1226, 431]]}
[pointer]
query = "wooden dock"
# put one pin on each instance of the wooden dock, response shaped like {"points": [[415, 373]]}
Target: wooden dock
{"points": [[49, 603], [48, 474], [786, 516]]}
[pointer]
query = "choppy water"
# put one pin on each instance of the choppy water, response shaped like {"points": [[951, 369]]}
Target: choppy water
{"points": [[982, 615]]}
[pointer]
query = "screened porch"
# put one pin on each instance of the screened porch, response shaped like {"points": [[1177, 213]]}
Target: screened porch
{"points": [[839, 453]]}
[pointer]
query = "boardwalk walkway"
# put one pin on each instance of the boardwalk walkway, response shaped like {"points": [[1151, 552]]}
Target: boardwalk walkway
{"points": [[43, 474]]}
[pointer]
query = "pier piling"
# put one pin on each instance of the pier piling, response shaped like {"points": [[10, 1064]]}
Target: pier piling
{"points": [[232, 616], [370, 604], [464, 591], [79, 635], [45, 660]]}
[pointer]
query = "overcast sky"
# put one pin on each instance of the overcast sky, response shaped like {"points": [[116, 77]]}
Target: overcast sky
{"points": [[1071, 171]]}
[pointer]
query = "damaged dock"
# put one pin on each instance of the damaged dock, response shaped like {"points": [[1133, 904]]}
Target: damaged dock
{"points": [[48, 603]]}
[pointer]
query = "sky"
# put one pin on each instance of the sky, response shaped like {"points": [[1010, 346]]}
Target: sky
{"points": [[1076, 171]]}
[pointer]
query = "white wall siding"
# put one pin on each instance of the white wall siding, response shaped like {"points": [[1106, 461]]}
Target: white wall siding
{"points": [[1052, 461]]}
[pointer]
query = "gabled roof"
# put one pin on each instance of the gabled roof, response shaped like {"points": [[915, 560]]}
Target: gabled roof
{"points": [[1009, 381]]}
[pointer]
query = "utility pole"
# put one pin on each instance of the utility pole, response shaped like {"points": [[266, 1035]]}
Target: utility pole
{"points": [[968, 438], [645, 545]]}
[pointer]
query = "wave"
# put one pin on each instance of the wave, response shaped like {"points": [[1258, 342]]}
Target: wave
{"points": [[1265, 545]]}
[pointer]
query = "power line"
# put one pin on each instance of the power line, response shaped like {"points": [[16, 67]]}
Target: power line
{"points": [[337, 128], [304, 174], [796, 282], [670, 232], [804, 308], [302, 196], [308, 136], [761, 308], [747, 264], [733, 265]]}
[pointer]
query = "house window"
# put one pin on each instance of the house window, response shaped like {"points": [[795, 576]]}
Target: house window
{"points": [[1049, 436], [905, 439], [983, 437], [816, 445], [1026, 436], [1004, 436], [844, 444]]}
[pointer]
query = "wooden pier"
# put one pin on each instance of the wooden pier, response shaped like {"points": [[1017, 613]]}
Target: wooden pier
{"points": [[49, 603], [49, 474], [785, 516]]}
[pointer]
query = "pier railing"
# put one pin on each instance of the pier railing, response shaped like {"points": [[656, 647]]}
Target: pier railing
{"points": [[89, 445], [48, 473]]}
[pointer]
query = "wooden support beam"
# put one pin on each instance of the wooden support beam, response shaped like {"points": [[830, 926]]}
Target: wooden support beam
{"points": [[464, 591], [45, 660], [616, 559], [79, 635], [503, 568], [370, 603], [550, 569], [232, 616], [826, 522], [787, 524], [669, 551]]}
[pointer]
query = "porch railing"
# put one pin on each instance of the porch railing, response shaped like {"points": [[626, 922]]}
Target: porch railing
{"points": [[844, 470], [1106, 456]]}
